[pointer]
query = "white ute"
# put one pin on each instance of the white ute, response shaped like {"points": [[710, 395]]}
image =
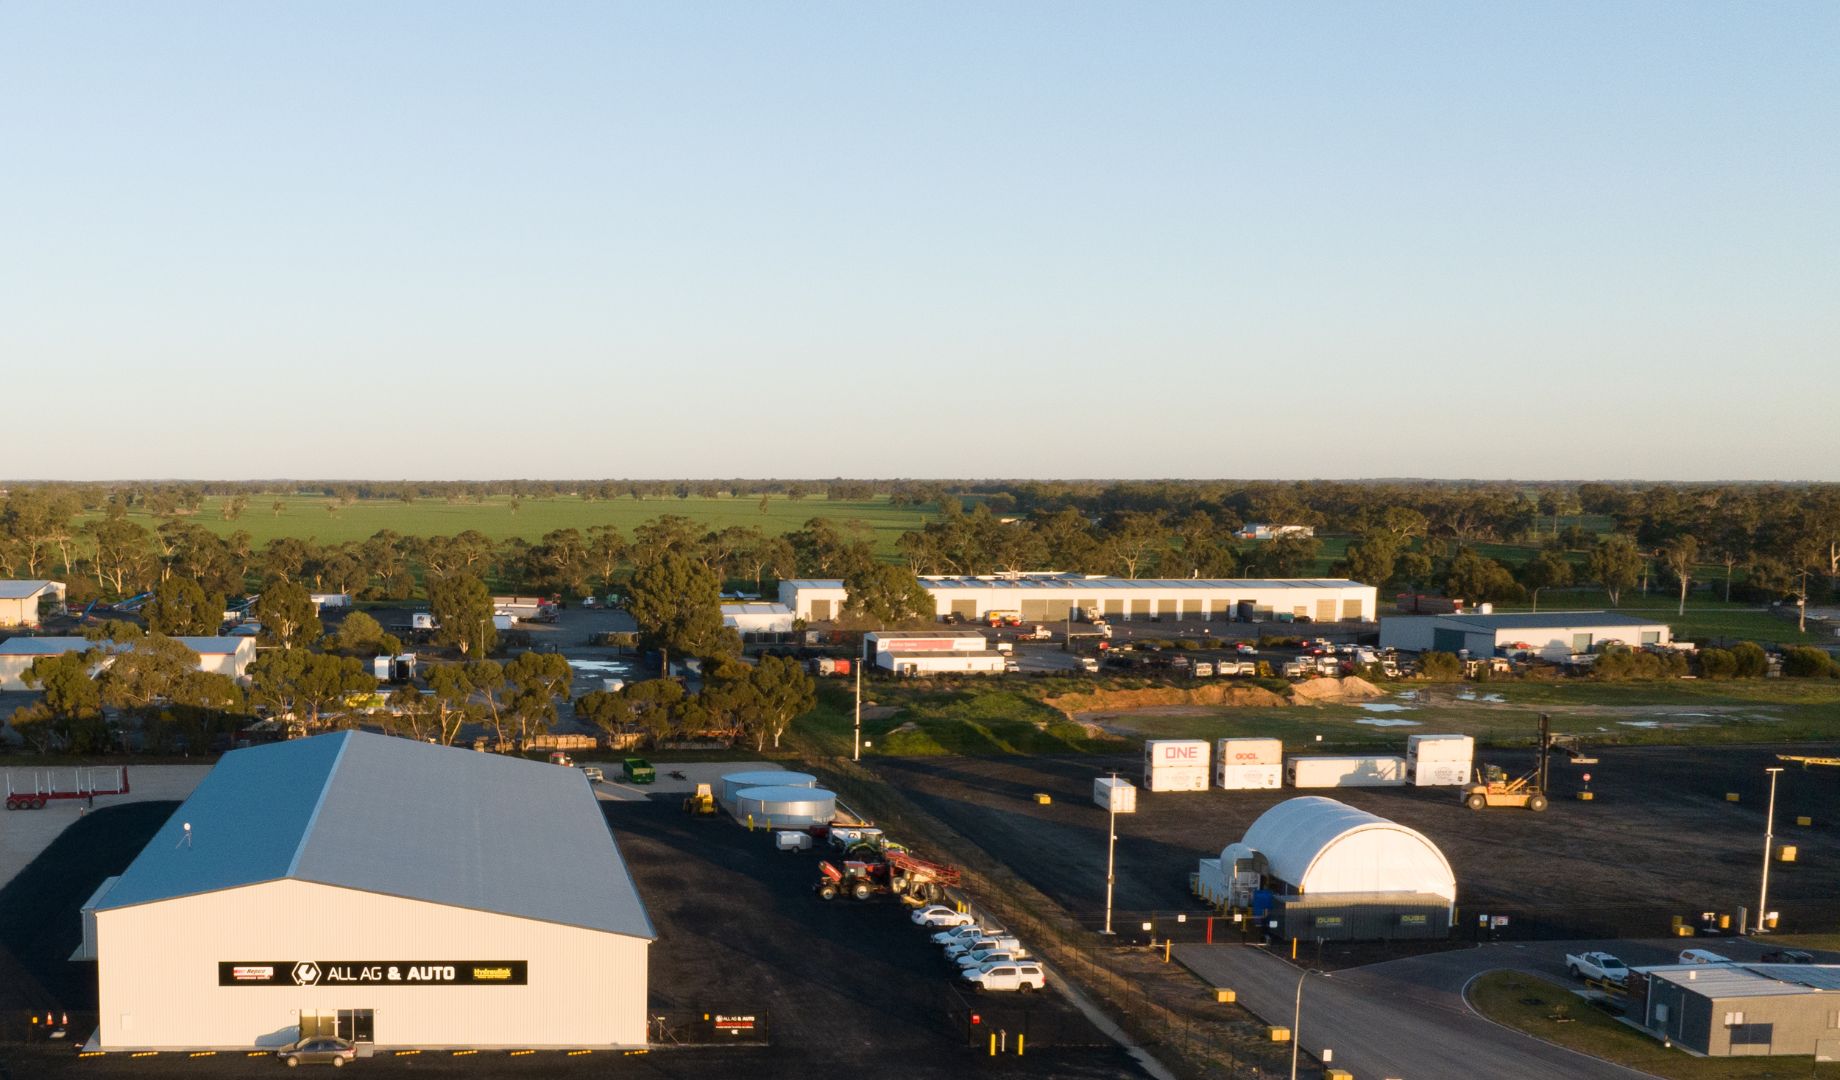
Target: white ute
{"points": [[986, 957], [1596, 965], [965, 947], [967, 932], [942, 917], [1022, 977]]}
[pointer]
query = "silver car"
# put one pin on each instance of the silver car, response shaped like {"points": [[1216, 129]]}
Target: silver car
{"points": [[318, 1050]]}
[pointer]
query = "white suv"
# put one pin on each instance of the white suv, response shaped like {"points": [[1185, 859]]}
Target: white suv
{"points": [[1023, 977], [939, 915], [963, 948]]}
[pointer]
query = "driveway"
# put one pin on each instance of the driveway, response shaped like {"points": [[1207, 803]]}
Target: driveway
{"points": [[1403, 1018], [27, 833]]}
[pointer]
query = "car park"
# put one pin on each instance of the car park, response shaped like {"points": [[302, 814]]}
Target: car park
{"points": [[963, 947], [1022, 977], [317, 1050], [941, 916]]}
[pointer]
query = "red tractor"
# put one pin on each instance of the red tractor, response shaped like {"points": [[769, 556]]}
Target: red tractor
{"points": [[897, 873]]}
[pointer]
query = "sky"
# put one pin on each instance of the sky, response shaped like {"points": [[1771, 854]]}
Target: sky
{"points": [[456, 240]]}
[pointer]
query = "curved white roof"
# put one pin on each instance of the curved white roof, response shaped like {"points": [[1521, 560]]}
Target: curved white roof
{"points": [[1319, 845]]}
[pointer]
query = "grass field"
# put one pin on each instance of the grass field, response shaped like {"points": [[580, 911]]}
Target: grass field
{"points": [[1706, 619], [969, 718], [307, 517], [1529, 1003]]}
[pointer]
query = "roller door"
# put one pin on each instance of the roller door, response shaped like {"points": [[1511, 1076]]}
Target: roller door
{"points": [[965, 609], [1446, 640], [1351, 611], [1325, 611], [820, 610], [1113, 607], [1140, 609], [1034, 611], [1083, 606], [1192, 609], [1059, 610]]}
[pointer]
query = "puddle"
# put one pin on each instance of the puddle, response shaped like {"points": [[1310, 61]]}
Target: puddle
{"points": [[1407, 695], [1648, 725], [1471, 695], [1373, 706], [1386, 721]]}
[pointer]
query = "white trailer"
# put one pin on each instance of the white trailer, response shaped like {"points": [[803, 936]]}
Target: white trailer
{"points": [[1365, 771], [1115, 794], [1439, 760]]}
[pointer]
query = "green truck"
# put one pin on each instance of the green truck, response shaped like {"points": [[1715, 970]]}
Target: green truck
{"points": [[639, 771]]}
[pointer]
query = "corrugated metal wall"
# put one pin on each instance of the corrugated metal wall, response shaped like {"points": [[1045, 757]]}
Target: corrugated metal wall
{"points": [[158, 972], [1365, 917]]}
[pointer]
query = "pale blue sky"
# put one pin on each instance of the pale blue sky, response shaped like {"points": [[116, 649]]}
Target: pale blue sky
{"points": [[987, 239]]}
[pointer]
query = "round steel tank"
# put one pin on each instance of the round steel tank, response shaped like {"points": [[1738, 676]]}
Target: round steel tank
{"points": [[733, 783], [795, 807]]}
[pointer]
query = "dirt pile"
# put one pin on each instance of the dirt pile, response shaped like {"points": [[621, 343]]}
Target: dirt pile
{"points": [[1353, 688], [1103, 701]]}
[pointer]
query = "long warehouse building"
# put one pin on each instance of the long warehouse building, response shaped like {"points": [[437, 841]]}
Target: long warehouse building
{"points": [[381, 890], [1045, 598]]}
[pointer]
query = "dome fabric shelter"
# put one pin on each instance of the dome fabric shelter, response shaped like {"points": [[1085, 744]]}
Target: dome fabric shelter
{"points": [[1321, 846]]}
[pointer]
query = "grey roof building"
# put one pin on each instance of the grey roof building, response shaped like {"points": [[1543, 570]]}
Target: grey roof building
{"points": [[1737, 1010]]}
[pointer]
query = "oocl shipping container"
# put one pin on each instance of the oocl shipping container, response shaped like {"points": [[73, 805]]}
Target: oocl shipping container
{"points": [[1115, 794], [1322, 772], [1249, 764]]}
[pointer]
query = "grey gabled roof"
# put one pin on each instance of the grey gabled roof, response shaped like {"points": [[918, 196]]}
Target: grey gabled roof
{"points": [[24, 589], [401, 818]]}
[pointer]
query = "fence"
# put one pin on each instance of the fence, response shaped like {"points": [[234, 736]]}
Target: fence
{"points": [[740, 1025]]}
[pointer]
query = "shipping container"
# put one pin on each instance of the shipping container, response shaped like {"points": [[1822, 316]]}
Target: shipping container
{"points": [[1176, 765], [1248, 777], [1321, 772], [1441, 747], [1249, 751], [1432, 772], [1115, 794], [1178, 779]]}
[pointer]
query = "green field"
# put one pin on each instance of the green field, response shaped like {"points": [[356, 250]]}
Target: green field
{"points": [[975, 717], [1706, 619], [1531, 1004], [307, 517]]}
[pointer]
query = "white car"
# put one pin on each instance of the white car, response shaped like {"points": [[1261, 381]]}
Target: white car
{"points": [[969, 931], [964, 947], [1022, 977], [986, 957], [939, 915]]}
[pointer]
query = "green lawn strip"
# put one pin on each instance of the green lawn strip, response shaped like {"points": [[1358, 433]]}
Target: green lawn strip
{"points": [[1528, 1003]]}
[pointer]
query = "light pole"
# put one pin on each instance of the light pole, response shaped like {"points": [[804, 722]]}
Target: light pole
{"points": [[1297, 1015], [1769, 841], [857, 754], [1111, 847]]}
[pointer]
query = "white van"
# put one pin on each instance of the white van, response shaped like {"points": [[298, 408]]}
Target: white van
{"points": [[1703, 956]]}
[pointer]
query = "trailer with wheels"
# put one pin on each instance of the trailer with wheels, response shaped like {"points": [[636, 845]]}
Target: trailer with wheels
{"points": [[49, 785], [897, 873]]}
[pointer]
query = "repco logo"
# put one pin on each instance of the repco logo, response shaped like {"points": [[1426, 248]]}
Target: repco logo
{"points": [[306, 973]]}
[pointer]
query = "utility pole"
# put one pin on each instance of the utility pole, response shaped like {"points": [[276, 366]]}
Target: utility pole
{"points": [[1801, 605], [1769, 842], [1111, 847], [857, 755]]}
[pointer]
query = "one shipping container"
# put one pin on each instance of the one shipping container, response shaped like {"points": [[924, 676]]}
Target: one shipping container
{"points": [[1321, 772], [1115, 794], [1176, 765]]}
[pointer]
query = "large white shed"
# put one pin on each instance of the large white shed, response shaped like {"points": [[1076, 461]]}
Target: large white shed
{"points": [[1550, 635], [381, 889], [20, 601]]}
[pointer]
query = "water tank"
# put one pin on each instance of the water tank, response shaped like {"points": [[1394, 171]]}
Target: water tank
{"points": [[793, 807], [733, 783]]}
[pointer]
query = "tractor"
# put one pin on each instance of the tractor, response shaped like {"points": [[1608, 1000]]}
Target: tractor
{"points": [[701, 804], [915, 880]]}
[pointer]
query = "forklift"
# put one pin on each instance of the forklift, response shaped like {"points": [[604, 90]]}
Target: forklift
{"points": [[1494, 788]]}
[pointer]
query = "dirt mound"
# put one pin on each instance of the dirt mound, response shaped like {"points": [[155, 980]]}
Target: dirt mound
{"points": [[1353, 688], [1101, 701]]}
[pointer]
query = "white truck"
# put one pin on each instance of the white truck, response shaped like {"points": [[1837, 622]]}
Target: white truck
{"points": [[1596, 965]]}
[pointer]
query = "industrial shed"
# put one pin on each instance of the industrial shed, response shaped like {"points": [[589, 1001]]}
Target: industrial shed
{"points": [[748, 619], [1323, 869], [219, 655], [1554, 635], [1740, 1010], [386, 890], [1048, 598], [20, 601]]}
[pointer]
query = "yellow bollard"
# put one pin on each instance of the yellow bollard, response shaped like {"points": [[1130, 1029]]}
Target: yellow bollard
{"points": [[1166, 941], [1586, 796], [1019, 1044], [1731, 796], [1785, 853], [1044, 798], [750, 823], [1293, 948], [1804, 822], [993, 1044], [1279, 1034]]}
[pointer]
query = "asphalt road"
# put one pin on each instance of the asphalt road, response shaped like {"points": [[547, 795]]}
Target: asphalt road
{"points": [[1404, 1018]]}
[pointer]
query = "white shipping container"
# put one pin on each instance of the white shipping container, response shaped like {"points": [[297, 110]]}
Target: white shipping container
{"points": [[1116, 795], [1431, 772], [1249, 751], [1321, 772], [1249, 777], [1164, 753], [1177, 779], [1441, 747]]}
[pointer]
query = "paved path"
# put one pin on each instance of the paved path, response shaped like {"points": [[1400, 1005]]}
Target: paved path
{"points": [[1404, 1019], [24, 834]]}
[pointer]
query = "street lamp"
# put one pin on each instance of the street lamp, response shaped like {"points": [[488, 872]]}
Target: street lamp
{"points": [[1297, 1016], [856, 755], [1111, 847], [1769, 842]]}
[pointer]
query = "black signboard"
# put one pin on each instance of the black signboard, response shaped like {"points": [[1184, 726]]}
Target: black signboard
{"points": [[373, 973]]}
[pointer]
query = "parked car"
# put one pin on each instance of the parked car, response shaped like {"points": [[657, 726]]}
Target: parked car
{"points": [[1596, 965], [993, 941], [1089, 664], [1702, 956], [593, 773], [1245, 648], [318, 1050], [971, 929], [1788, 956], [987, 957], [941, 916], [1023, 977]]}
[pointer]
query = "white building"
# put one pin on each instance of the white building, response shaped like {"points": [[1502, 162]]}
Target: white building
{"points": [[1263, 531], [20, 600], [1047, 598], [1550, 635], [220, 655], [1331, 871], [758, 618], [381, 889]]}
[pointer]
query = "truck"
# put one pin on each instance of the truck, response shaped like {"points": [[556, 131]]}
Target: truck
{"points": [[828, 666], [1040, 633], [1596, 965], [638, 771]]}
